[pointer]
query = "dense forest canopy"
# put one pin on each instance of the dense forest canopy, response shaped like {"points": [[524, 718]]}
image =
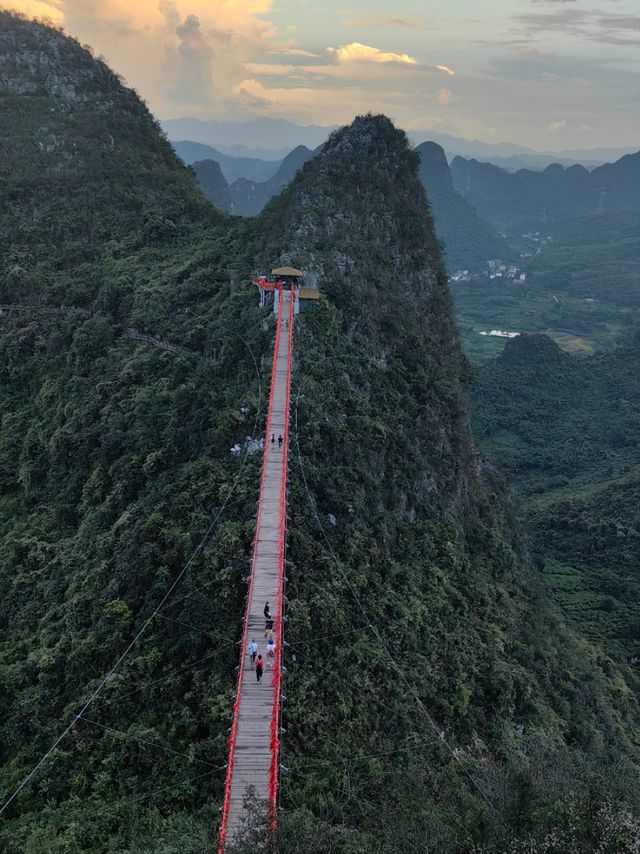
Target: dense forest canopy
{"points": [[567, 431], [133, 357]]}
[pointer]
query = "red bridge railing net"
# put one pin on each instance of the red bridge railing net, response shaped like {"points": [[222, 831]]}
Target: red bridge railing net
{"points": [[279, 621]]}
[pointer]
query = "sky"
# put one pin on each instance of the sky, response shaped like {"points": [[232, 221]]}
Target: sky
{"points": [[549, 74]]}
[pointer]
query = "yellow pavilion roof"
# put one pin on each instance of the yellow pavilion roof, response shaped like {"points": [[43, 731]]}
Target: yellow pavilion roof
{"points": [[286, 271]]}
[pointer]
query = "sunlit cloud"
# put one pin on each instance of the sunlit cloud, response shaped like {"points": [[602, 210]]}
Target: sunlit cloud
{"points": [[445, 69], [556, 126], [182, 55], [46, 9], [357, 52], [330, 106], [272, 69]]}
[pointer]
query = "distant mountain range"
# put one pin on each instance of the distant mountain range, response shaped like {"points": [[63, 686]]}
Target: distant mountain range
{"points": [[246, 197], [529, 199], [271, 139], [265, 138], [471, 201], [213, 184], [513, 157], [232, 167]]}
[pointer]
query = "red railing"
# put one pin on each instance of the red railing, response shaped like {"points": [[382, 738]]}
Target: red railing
{"points": [[266, 284], [245, 631], [279, 622]]}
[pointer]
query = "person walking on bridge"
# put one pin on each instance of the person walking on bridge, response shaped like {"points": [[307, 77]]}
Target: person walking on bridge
{"points": [[280, 441], [267, 612], [253, 651], [259, 668]]}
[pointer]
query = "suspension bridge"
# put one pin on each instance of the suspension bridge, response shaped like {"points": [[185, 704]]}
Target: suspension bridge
{"points": [[253, 762]]}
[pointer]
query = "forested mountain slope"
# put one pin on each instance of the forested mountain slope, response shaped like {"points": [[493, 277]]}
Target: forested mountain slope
{"points": [[567, 431], [531, 199], [115, 460]]}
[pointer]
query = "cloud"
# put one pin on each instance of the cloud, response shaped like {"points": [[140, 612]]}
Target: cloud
{"points": [[599, 26], [170, 12], [292, 51], [444, 96], [184, 56], [538, 55], [556, 126], [329, 106], [357, 52], [414, 22], [47, 9], [445, 69], [188, 62], [272, 69]]}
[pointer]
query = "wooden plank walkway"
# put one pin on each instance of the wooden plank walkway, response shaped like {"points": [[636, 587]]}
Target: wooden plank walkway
{"points": [[251, 752]]}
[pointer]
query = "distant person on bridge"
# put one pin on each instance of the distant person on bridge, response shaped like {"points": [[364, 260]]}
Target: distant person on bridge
{"points": [[259, 668], [273, 438], [280, 440], [267, 613], [253, 651], [271, 648]]}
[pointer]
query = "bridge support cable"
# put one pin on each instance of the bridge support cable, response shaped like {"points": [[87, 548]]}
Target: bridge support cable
{"points": [[254, 738]]}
